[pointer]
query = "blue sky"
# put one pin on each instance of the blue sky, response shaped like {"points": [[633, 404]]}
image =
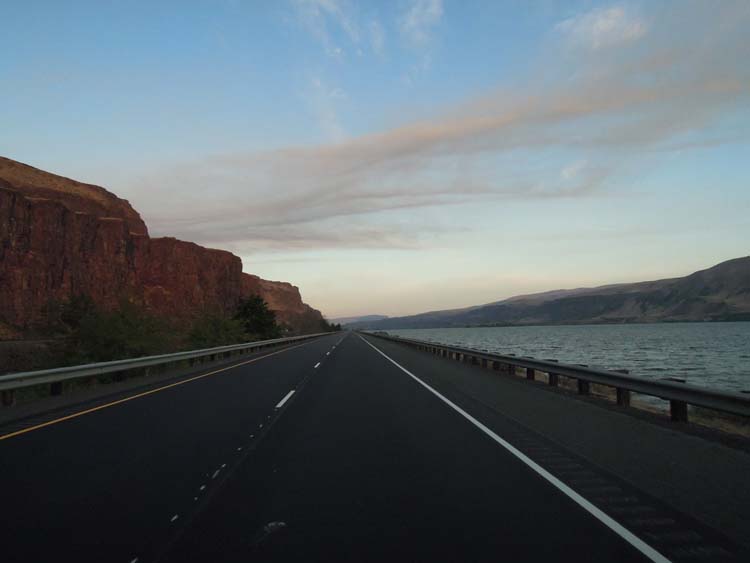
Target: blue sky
{"points": [[396, 157]]}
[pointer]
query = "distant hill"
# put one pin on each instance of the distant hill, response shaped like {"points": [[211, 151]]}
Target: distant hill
{"points": [[720, 293], [361, 319]]}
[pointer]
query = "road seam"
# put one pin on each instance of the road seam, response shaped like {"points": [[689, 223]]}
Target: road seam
{"points": [[597, 513]]}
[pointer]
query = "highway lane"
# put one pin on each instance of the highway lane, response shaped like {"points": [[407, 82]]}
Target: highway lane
{"points": [[366, 464], [116, 484]]}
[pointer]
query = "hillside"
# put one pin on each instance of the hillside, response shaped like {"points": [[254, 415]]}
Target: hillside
{"points": [[60, 237], [718, 293]]}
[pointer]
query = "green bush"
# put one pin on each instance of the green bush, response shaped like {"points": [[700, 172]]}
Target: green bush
{"points": [[256, 318], [127, 332], [211, 330]]}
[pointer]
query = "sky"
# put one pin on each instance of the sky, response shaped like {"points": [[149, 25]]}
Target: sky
{"points": [[401, 156]]}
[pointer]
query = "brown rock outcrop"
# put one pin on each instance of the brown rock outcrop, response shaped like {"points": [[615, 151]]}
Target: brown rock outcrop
{"points": [[60, 238]]}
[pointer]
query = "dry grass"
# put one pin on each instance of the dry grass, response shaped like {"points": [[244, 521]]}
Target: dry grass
{"points": [[22, 175]]}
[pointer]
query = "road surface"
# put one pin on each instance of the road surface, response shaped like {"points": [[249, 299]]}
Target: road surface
{"points": [[330, 450]]}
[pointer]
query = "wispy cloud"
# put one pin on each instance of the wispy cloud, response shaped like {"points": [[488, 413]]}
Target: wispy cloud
{"points": [[417, 23], [326, 18], [603, 27], [608, 114], [324, 102], [377, 37]]}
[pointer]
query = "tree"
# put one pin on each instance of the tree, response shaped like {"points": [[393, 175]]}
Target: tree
{"points": [[102, 336], [211, 329], [256, 318]]}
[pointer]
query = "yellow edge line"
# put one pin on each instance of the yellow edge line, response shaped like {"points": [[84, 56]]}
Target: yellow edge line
{"points": [[139, 395]]}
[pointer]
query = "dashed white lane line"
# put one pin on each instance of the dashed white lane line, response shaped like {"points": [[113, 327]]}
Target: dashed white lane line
{"points": [[285, 399], [604, 518], [317, 365], [216, 473], [203, 487], [328, 353], [175, 517]]}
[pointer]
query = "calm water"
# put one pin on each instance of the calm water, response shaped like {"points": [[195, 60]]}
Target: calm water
{"points": [[710, 354]]}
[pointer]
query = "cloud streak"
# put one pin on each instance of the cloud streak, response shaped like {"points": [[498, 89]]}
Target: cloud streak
{"points": [[417, 23], [602, 112], [603, 27]]}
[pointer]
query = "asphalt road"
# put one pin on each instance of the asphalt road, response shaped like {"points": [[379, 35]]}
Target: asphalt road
{"points": [[326, 451]]}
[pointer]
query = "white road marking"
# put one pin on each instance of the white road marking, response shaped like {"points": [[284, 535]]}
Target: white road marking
{"points": [[328, 353], [223, 465], [215, 473], [317, 365], [239, 449], [605, 519], [175, 517], [285, 399], [203, 487], [134, 560]]}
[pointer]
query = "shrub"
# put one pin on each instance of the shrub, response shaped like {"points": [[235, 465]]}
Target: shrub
{"points": [[256, 318], [211, 329], [127, 332]]}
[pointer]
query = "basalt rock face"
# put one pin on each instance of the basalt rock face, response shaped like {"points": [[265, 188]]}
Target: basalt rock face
{"points": [[74, 195], [285, 299], [60, 238]]}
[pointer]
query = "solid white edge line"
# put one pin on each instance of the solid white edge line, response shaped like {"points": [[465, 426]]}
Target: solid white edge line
{"points": [[605, 519], [285, 399]]}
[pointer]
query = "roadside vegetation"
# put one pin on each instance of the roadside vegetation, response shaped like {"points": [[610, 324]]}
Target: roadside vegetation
{"points": [[79, 332]]}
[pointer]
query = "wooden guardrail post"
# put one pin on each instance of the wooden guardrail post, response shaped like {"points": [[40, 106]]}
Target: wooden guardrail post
{"points": [[552, 378], [584, 387], [623, 395], [8, 397], [530, 374], [678, 411]]}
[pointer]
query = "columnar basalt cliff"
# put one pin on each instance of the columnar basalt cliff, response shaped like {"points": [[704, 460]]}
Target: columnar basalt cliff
{"points": [[60, 238]]}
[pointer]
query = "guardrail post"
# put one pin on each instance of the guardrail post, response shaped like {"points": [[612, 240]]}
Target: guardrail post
{"points": [[552, 378], [8, 397], [484, 362], [584, 387], [678, 411], [623, 395], [511, 369], [530, 374], [56, 388]]}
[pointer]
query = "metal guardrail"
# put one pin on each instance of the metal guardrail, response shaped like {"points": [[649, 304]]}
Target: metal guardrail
{"points": [[55, 377], [679, 394]]}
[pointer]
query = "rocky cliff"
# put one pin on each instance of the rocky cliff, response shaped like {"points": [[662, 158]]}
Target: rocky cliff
{"points": [[59, 238]]}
